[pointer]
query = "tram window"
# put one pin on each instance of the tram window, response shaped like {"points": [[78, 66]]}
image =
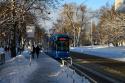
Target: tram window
{"points": [[52, 46], [62, 45]]}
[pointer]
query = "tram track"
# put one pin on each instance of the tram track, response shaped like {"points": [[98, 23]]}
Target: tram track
{"points": [[95, 76], [91, 75], [93, 70]]}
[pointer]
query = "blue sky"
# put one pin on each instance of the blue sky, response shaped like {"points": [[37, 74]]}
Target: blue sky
{"points": [[93, 4]]}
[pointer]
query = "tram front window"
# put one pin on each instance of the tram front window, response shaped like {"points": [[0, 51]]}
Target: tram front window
{"points": [[62, 45]]}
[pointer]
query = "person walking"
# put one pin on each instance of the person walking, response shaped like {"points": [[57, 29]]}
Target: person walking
{"points": [[19, 50], [37, 51], [33, 51]]}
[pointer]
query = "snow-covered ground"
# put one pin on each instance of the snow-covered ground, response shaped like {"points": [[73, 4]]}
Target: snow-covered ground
{"points": [[1, 49], [16, 70], [116, 53], [67, 75]]}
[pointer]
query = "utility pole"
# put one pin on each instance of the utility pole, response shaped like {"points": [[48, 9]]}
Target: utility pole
{"points": [[91, 32], [13, 41]]}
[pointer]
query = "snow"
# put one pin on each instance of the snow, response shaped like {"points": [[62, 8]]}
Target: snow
{"points": [[1, 50], [116, 53], [16, 70], [26, 53], [67, 75]]}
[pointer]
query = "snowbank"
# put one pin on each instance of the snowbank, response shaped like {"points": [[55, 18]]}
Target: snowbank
{"points": [[1, 49], [67, 75], [26, 53], [16, 70], [116, 53]]}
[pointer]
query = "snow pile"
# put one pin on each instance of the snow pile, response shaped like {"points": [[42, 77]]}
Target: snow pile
{"points": [[16, 70], [67, 75], [116, 53], [1, 50], [26, 53]]}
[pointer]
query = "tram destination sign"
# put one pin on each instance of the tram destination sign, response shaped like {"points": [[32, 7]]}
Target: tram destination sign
{"points": [[62, 39]]}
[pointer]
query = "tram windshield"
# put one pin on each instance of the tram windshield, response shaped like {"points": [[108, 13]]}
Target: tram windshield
{"points": [[62, 44]]}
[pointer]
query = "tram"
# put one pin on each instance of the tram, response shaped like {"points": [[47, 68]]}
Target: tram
{"points": [[59, 46]]}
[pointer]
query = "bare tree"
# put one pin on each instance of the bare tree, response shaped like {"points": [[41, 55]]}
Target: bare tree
{"points": [[17, 14], [110, 26], [72, 21]]}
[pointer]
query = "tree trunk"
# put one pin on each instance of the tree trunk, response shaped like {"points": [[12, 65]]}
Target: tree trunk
{"points": [[13, 41]]}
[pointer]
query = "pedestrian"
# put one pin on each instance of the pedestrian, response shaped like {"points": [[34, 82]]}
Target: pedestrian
{"points": [[8, 48], [5, 48], [37, 51], [19, 49], [33, 51]]}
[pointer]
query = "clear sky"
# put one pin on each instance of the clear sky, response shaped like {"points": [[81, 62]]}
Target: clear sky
{"points": [[93, 4]]}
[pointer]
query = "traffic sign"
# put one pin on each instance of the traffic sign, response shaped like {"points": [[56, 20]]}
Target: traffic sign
{"points": [[30, 31]]}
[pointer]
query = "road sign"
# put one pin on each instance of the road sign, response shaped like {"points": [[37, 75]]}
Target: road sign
{"points": [[30, 31], [120, 6]]}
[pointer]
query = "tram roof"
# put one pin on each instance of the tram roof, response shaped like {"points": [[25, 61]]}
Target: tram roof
{"points": [[54, 36], [60, 35]]}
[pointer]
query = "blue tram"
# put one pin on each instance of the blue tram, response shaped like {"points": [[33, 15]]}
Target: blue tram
{"points": [[59, 46]]}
